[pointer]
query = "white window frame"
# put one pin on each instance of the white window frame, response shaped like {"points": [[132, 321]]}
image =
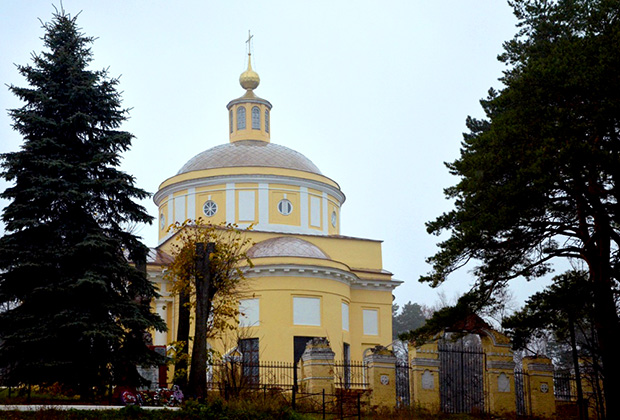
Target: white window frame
{"points": [[370, 318], [247, 206], [249, 312], [307, 311], [345, 316]]}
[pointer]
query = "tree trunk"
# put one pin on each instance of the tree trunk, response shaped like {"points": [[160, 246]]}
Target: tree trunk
{"points": [[180, 364], [197, 387], [606, 317], [608, 331], [583, 409]]}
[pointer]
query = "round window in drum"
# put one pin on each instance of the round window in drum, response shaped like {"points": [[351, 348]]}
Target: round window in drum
{"points": [[210, 208], [285, 207]]}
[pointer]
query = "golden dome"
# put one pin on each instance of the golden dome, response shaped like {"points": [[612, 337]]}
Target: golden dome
{"points": [[249, 79]]}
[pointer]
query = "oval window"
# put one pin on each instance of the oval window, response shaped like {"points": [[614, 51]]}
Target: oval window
{"points": [[285, 207]]}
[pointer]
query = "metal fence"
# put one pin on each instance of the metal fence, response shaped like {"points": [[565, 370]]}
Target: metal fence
{"points": [[403, 394], [521, 390], [350, 375], [564, 386], [236, 375]]}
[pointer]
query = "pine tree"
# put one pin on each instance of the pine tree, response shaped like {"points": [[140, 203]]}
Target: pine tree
{"points": [[540, 174], [76, 309]]}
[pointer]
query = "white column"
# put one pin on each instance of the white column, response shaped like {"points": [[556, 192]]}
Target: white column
{"points": [[263, 204], [303, 207], [160, 336], [325, 219], [230, 202], [170, 209], [191, 203]]}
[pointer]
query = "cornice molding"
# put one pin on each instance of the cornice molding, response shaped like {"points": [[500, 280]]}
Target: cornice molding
{"points": [[247, 178], [298, 270]]}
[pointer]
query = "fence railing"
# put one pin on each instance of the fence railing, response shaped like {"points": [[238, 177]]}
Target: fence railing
{"points": [[247, 375], [238, 374], [350, 375], [564, 386]]}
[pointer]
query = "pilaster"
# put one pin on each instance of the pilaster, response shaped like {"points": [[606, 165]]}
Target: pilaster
{"points": [[540, 373], [381, 364], [424, 361]]}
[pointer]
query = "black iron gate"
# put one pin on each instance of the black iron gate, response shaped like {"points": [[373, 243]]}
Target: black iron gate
{"points": [[520, 389], [402, 383], [461, 375]]}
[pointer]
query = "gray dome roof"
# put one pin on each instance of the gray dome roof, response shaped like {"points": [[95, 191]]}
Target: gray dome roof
{"points": [[249, 153], [284, 246]]}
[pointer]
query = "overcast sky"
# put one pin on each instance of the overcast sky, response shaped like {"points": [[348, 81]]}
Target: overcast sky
{"points": [[375, 93]]}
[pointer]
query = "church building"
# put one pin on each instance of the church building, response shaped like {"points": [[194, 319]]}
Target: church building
{"points": [[308, 280]]}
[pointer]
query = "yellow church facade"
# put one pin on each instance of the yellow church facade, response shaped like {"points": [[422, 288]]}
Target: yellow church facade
{"points": [[307, 280]]}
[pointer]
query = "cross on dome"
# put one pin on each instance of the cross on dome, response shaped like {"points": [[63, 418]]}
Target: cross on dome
{"points": [[249, 79]]}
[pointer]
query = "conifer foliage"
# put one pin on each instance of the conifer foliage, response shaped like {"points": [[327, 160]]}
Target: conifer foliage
{"points": [[540, 175], [75, 310]]}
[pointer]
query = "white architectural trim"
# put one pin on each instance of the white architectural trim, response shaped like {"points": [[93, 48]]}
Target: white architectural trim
{"points": [[342, 276], [326, 220], [230, 202], [263, 204], [265, 179], [304, 207]]}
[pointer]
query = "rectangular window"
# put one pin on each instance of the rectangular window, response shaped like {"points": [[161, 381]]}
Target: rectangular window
{"points": [[246, 206], [250, 360], [179, 209], [249, 313], [371, 321], [315, 211], [345, 316], [307, 311]]}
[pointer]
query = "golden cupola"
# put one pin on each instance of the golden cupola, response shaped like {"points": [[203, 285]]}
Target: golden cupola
{"points": [[249, 115]]}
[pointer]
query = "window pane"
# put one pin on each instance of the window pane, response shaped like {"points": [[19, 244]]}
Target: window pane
{"points": [[249, 313], [371, 322], [255, 118], [266, 120], [307, 311], [315, 211], [246, 206], [345, 316], [241, 118]]}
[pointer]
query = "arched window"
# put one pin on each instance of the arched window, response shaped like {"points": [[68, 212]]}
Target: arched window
{"points": [[255, 118], [230, 118], [267, 120], [241, 118]]}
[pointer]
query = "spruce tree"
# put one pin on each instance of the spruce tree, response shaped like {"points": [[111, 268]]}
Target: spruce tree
{"points": [[76, 310]]}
